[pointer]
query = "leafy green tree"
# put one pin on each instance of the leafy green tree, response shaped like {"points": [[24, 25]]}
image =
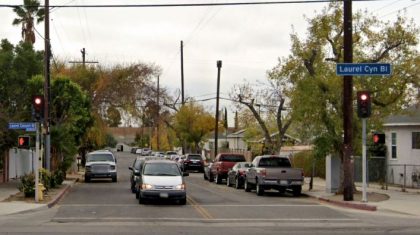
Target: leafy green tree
{"points": [[27, 15], [315, 90], [193, 123]]}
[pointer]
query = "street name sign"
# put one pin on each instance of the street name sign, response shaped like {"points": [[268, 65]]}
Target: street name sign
{"points": [[363, 69], [27, 126]]}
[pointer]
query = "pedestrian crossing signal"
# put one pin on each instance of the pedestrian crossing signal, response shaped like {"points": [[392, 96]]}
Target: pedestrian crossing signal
{"points": [[24, 141]]}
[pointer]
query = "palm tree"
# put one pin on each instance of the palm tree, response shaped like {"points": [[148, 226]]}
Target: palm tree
{"points": [[26, 16]]}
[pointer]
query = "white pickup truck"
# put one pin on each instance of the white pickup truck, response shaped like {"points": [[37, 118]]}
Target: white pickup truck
{"points": [[273, 172]]}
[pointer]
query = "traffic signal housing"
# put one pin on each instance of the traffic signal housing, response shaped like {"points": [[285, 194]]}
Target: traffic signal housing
{"points": [[378, 138], [363, 104], [38, 106], [24, 141]]}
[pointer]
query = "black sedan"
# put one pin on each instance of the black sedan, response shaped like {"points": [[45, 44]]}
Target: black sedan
{"points": [[135, 172], [236, 174]]}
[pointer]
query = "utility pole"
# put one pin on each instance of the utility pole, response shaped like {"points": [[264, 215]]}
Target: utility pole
{"points": [[182, 73], [47, 94], [216, 130], [348, 105], [158, 115], [83, 62]]}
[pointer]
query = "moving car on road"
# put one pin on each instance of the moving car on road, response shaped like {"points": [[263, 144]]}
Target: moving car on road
{"points": [[162, 179], [101, 164], [193, 162], [236, 175]]}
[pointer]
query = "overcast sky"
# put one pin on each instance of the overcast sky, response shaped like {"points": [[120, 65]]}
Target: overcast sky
{"points": [[248, 39]]}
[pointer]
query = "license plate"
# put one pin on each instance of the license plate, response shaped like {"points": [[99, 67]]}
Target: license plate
{"points": [[283, 182], [163, 195]]}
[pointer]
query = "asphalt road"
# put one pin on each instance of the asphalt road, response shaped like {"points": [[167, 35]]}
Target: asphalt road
{"points": [[103, 207]]}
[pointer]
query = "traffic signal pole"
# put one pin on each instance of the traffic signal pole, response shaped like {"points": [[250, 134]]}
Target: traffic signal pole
{"points": [[47, 93], [36, 162], [364, 167]]}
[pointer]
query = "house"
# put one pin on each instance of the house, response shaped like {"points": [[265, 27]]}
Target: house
{"points": [[402, 138]]}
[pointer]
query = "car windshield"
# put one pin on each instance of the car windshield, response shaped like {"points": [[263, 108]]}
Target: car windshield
{"points": [[100, 158], [232, 158], [274, 162], [161, 169]]}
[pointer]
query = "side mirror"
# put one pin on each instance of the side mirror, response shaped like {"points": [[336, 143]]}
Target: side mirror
{"points": [[130, 168], [185, 173]]}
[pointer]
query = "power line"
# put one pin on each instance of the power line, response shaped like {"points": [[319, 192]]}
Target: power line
{"points": [[404, 8], [190, 4]]}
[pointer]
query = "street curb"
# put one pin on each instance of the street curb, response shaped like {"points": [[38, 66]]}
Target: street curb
{"points": [[351, 205], [57, 198]]}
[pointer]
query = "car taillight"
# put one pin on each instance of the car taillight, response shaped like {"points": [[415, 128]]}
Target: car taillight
{"points": [[263, 172], [241, 172]]}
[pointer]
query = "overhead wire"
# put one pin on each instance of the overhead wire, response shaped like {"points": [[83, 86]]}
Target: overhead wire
{"points": [[398, 10]]}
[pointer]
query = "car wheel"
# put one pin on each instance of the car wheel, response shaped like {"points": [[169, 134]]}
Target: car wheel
{"points": [[133, 189], [183, 201], [237, 185], [211, 177], [141, 200], [137, 194], [114, 179], [297, 191], [87, 179], [218, 179], [259, 190], [228, 181], [246, 186]]}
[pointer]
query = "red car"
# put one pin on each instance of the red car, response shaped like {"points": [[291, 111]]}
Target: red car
{"points": [[222, 164]]}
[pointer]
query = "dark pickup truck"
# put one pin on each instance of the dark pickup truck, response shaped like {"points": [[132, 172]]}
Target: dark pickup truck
{"points": [[222, 164], [273, 172]]}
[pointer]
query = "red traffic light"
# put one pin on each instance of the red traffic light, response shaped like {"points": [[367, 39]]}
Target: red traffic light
{"points": [[38, 106], [363, 104], [378, 138], [23, 141]]}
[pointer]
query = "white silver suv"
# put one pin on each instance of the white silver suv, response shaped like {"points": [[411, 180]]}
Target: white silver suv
{"points": [[101, 164]]}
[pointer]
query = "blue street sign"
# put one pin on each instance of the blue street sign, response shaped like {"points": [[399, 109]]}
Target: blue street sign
{"points": [[363, 69], [27, 126]]}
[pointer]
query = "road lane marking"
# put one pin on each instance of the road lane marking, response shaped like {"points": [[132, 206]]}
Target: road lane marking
{"points": [[198, 219], [203, 212]]}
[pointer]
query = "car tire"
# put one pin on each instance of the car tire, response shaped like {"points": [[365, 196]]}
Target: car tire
{"points": [[141, 200], [183, 201], [218, 179], [297, 191], [237, 184], [133, 189], [259, 189], [228, 181], [87, 179], [247, 187], [137, 194], [114, 179]]}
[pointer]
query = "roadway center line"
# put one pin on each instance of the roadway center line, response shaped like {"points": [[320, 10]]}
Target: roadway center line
{"points": [[193, 203], [203, 212]]}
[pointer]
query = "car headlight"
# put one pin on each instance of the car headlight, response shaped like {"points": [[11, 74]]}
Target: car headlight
{"points": [[180, 187], [146, 186], [87, 168], [112, 167]]}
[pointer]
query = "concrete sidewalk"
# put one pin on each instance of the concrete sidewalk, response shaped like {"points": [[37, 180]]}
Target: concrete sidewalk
{"points": [[393, 199], [12, 207]]}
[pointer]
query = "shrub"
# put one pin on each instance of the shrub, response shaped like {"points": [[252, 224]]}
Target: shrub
{"points": [[58, 177], [46, 178], [305, 160], [27, 185]]}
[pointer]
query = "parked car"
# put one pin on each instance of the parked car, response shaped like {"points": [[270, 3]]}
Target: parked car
{"points": [[101, 164], [236, 175], [162, 179], [146, 152], [273, 172], [222, 164], [133, 150], [193, 162]]}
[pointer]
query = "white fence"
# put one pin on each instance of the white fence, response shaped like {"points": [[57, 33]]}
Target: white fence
{"points": [[20, 162]]}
